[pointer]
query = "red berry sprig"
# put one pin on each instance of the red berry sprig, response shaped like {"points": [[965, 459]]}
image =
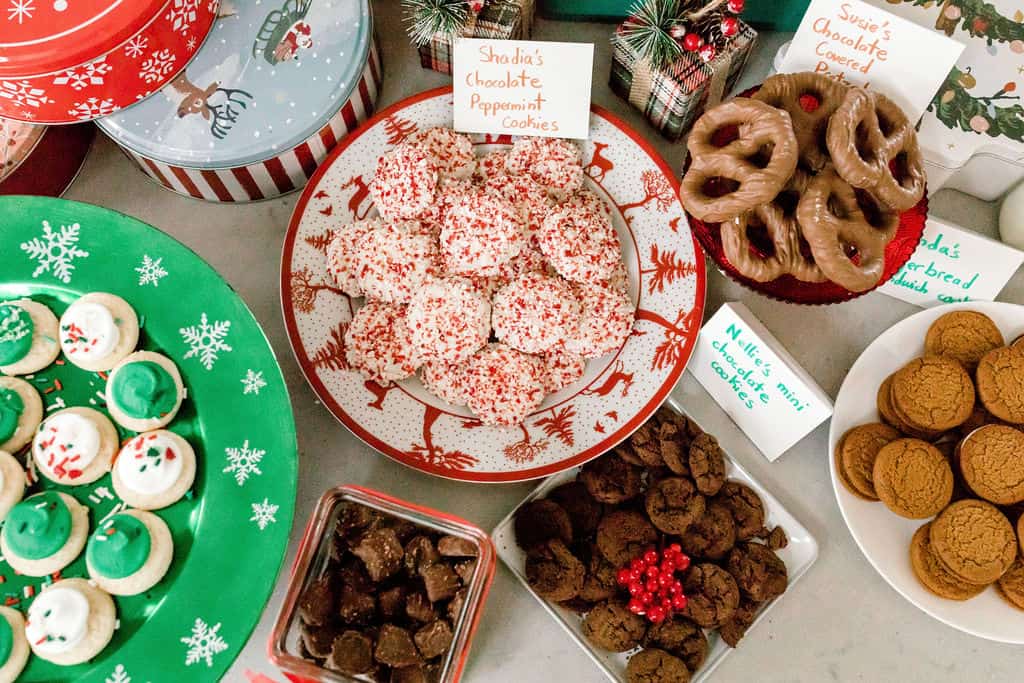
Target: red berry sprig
{"points": [[654, 590], [735, 6]]}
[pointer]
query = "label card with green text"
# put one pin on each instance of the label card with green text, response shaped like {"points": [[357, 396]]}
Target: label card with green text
{"points": [[856, 43], [756, 382], [953, 264], [522, 87]]}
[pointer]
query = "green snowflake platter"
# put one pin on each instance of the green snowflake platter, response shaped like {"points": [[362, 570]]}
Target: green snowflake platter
{"points": [[231, 532]]}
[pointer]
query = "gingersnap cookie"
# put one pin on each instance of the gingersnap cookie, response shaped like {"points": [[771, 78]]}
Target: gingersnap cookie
{"points": [[28, 337], [98, 330], [707, 464], [857, 452], [712, 536], [974, 540], [932, 574], [656, 666], [673, 504], [21, 411], [913, 478], [842, 476], [44, 533], [12, 483], [746, 508], [964, 336], [933, 393], [609, 479], [144, 391], [613, 627], [712, 593], [70, 622], [679, 636], [1000, 378], [623, 535], [758, 571], [1020, 533], [129, 552], [75, 446], [553, 572], [1011, 584], [539, 521], [992, 463], [888, 414], [14, 648]]}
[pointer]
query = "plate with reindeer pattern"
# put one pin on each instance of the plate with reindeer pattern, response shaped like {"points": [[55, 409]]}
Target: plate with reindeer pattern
{"points": [[616, 394]]}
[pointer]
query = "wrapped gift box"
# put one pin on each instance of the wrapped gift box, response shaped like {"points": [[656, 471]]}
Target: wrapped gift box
{"points": [[499, 19]]}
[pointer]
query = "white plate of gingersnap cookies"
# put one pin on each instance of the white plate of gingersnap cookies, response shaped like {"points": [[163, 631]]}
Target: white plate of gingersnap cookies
{"points": [[927, 445], [805, 189]]}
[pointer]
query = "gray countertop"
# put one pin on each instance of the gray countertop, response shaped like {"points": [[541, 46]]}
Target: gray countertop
{"points": [[840, 622]]}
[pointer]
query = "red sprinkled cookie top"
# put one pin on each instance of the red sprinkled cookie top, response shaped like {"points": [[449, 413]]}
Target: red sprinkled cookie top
{"points": [[394, 261], [341, 254], [562, 368], [580, 244], [551, 162], [449, 320], [503, 385], [535, 312], [606, 322], [405, 183], [452, 152], [378, 343], [525, 195], [490, 165], [480, 233], [447, 381]]}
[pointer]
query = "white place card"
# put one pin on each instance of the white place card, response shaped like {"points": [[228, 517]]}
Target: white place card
{"points": [[756, 381], [953, 264], [856, 43], [522, 87]]}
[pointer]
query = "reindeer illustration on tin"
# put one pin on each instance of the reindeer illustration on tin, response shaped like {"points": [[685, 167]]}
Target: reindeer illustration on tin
{"points": [[221, 107], [284, 33]]}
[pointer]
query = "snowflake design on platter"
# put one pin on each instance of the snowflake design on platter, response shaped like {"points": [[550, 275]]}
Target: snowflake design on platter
{"points": [[160, 63], [136, 46], [20, 10], [150, 271], [243, 462], [24, 94], [182, 14], [93, 108], [253, 382], [55, 251], [82, 77], [263, 513], [206, 341], [203, 643], [120, 675]]}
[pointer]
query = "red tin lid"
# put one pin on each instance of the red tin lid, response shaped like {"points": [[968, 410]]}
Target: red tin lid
{"points": [[43, 36]]}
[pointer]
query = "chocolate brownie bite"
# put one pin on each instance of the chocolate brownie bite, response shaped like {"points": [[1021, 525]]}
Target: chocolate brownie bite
{"points": [[420, 552], [540, 520], [758, 571], [395, 647], [410, 674], [318, 640], [403, 528], [673, 504], [455, 546], [584, 512], [434, 639], [707, 464], [356, 606], [646, 445], [441, 582], [391, 602], [656, 666], [624, 534], [419, 608], [611, 480], [351, 654], [681, 637], [613, 627], [746, 508], [316, 604], [465, 570], [733, 630], [352, 572], [712, 593], [777, 539], [600, 582], [554, 572], [381, 553], [712, 536], [353, 519], [454, 609]]}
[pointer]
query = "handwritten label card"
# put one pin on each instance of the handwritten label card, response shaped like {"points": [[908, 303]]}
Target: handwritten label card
{"points": [[522, 87], [756, 382], [953, 264], [854, 42]]}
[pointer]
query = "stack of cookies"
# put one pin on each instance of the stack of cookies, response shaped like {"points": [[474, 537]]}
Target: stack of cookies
{"points": [[662, 493], [806, 178], [950, 449]]}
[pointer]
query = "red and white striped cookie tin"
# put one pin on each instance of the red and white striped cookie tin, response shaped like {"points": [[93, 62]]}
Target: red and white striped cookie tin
{"points": [[67, 61], [267, 98], [41, 160]]}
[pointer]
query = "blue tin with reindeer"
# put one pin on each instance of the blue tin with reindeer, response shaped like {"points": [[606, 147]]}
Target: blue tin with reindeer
{"points": [[275, 86]]}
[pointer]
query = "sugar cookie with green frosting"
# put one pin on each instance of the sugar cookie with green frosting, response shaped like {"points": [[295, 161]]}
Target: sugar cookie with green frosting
{"points": [[21, 411], [44, 533], [70, 622], [98, 330], [13, 644], [12, 485], [144, 391], [28, 337], [75, 446], [154, 470], [129, 552]]}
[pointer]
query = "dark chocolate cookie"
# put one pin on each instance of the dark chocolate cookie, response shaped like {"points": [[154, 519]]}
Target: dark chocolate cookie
{"points": [[681, 637], [625, 451], [583, 510], [746, 508], [623, 535], [613, 627], [673, 504], [713, 595], [712, 536], [609, 479], [735, 628], [707, 464], [554, 572], [351, 653], [600, 582], [758, 571], [656, 666], [646, 444], [675, 447], [539, 521]]}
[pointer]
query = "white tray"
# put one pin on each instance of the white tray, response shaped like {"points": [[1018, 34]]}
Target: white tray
{"points": [[799, 555]]}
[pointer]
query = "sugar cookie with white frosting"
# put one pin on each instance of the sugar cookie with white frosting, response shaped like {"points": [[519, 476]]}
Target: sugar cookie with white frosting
{"points": [[129, 552], [144, 391], [12, 485], [21, 411], [98, 330], [13, 644], [75, 446], [70, 622], [28, 337], [154, 470], [44, 533]]}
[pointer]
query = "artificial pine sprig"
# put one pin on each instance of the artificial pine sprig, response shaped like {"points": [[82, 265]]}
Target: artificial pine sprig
{"points": [[425, 18], [648, 31]]}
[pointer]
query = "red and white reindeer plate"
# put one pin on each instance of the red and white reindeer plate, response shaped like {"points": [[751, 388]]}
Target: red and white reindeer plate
{"points": [[616, 394]]}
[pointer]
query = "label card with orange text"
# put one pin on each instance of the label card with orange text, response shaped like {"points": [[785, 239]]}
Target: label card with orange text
{"points": [[522, 87], [856, 43]]}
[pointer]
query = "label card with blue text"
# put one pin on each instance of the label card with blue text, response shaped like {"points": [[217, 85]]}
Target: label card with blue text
{"points": [[856, 43], [522, 87], [756, 381], [953, 264]]}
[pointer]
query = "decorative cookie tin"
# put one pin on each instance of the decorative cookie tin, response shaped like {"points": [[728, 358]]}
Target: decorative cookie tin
{"points": [[63, 61], [272, 91], [41, 160]]}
